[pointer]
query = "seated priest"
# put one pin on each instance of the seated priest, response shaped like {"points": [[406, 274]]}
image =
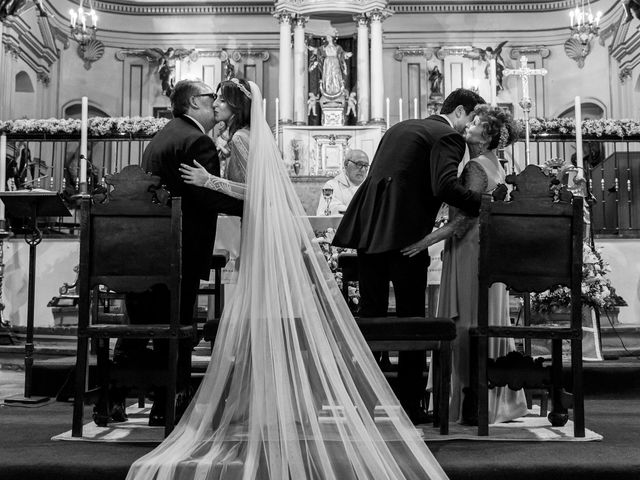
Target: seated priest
{"points": [[338, 192]]}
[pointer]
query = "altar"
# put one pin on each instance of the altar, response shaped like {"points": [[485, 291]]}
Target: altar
{"points": [[319, 151]]}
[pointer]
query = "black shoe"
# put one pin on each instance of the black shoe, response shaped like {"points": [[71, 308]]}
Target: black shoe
{"points": [[118, 413]]}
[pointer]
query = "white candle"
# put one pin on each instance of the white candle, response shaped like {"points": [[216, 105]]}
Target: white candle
{"points": [[264, 108], [277, 115], [3, 171], [415, 108], [493, 82], [83, 144], [399, 109], [579, 163], [387, 112]]}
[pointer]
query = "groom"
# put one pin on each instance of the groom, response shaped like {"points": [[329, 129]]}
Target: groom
{"points": [[182, 140], [414, 170]]}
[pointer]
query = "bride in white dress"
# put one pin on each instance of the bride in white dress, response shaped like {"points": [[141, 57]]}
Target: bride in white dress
{"points": [[292, 390]]}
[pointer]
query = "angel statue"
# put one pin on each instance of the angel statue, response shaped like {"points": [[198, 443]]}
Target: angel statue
{"points": [[489, 54], [435, 77], [352, 104], [166, 60], [332, 59], [311, 104]]}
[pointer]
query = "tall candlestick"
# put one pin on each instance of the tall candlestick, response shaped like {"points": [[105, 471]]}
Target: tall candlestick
{"points": [[3, 173], [578, 121], [415, 108], [387, 112], [264, 108], [83, 144], [399, 109], [277, 115]]}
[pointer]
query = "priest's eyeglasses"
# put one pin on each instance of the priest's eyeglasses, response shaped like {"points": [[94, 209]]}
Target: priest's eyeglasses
{"points": [[360, 165]]}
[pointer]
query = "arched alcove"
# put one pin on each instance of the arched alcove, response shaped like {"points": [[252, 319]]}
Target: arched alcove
{"points": [[590, 110], [23, 82], [74, 110]]}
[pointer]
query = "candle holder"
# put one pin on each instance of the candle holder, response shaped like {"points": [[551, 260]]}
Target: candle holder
{"points": [[327, 193], [80, 31]]}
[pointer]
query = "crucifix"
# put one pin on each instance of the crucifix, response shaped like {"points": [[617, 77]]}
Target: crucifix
{"points": [[524, 72]]}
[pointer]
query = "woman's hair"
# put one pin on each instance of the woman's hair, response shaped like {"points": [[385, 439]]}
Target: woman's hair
{"points": [[498, 126], [236, 92]]}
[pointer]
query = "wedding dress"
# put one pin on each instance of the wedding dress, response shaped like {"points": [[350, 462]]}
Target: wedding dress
{"points": [[292, 390]]}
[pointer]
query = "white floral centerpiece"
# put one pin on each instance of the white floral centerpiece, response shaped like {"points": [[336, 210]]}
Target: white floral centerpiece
{"points": [[595, 127], [597, 290]]}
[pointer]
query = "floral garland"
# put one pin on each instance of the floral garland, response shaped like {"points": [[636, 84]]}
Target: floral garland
{"points": [[331, 254], [97, 126], [597, 291], [595, 127]]}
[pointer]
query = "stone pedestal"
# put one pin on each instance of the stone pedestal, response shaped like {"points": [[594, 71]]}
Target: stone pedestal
{"points": [[332, 116]]}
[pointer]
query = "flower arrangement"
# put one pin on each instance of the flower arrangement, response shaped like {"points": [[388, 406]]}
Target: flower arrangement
{"points": [[331, 254], [596, 127], [97, 126], [597, 291]]}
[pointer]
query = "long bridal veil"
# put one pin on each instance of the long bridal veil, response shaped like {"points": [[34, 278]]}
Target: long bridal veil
{"points": [[292, 390]]}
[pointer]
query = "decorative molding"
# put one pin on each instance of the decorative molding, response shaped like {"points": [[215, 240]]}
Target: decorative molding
{"points": [[350, 6], [459, 51], [91, 52], [577, 51], [12, 48], [623, 74], [402, 52], [237, 55], [528, 51], [43, 77]]}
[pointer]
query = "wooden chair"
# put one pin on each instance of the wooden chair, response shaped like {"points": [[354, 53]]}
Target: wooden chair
{"points": [[127, 244], [410, 334], [531, 243]]}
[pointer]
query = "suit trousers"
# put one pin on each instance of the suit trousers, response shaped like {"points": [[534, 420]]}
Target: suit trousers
{"points": [[409, 279]]}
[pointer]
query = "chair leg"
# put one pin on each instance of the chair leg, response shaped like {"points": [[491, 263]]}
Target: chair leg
{"points": [[482, 348], [172, 379], [445, 386], [558, 415], [436, 370], [82, 358], [102, 407], [577, 390]]}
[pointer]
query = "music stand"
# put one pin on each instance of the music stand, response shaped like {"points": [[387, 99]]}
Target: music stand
{"points": [[32, 204]]}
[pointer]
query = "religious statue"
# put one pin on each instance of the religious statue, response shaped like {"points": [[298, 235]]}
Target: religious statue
{"points": [[435, 77], [311, 105], [332, 59], [352, 104], [489, 54], [166, 60], [629, 7], [228, 67]]}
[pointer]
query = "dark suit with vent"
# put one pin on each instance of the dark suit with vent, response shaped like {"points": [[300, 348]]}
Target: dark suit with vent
{"points": [[180, 141], [413, 171]]}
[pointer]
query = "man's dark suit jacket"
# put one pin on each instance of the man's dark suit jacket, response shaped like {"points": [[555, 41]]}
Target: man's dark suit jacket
{"points": [[414, 170], [181, 141]]}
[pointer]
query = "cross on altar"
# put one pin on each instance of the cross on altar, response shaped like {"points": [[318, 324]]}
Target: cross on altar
{"points": [[524, 72]]}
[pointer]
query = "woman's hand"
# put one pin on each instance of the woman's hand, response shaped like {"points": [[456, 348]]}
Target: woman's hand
{"points": [[197, 175], [415, 248]]}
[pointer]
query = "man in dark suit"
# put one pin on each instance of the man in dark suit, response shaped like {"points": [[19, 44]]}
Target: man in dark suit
{"points": [[182, 140], [414, 170]]}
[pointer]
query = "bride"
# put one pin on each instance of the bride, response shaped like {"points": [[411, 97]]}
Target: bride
{"points": [[292, 390]]}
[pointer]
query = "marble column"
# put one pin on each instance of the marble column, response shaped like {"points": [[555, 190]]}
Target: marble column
{"points": [[284, 81], [377, 74], [363, 68], [299, 72]]}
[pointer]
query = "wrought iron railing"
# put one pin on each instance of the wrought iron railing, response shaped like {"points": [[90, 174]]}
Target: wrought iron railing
{"points": [[612, 166]]}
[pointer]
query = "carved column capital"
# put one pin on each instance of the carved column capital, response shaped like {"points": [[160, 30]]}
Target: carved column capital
{"points": [[284, 16], [43, 77], [529, 51], [624, 73], [238, 55], [402, 52], [380, 15], [300, 21], [362, 20]]}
